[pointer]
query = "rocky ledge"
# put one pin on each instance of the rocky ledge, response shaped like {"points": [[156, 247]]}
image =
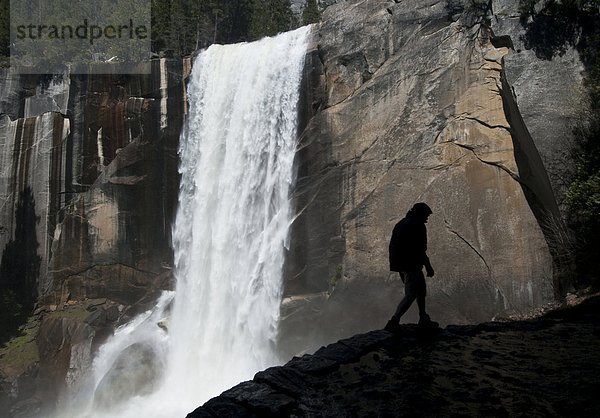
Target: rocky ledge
{"points": [[545, 366]]}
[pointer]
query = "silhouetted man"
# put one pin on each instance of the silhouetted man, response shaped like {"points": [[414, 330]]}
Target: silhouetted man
{"points": [[408, 256]]}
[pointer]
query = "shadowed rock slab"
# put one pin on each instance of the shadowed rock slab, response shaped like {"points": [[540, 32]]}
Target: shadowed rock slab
{"points": [[546, 366]]}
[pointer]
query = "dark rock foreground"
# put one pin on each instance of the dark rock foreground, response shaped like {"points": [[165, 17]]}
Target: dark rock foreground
{"points": [[546, 366]]}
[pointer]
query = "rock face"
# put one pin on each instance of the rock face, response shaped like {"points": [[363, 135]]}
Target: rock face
{"points": [[492, 369], [89, 176], [54, 350], [543, 97], [99, 155], [27, 147], [545, 75], [414, 107], [65, 349]]}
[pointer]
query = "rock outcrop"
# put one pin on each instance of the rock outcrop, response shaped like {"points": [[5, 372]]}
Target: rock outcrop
{"points": [[540, 367], [545, 74], [134, 373], [54, 351], [544, 98]]}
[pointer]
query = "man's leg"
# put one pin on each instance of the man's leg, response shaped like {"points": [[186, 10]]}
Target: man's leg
{"points": [[403, 306], [421, 291], [409, 295]]}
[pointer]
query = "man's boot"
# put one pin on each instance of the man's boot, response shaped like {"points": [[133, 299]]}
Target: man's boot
{"points": [[392, 325], [426, 322]]}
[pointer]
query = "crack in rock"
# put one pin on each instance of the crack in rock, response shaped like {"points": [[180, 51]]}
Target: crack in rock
{"points": [[492, 163], [487, 125], [476, 251]]}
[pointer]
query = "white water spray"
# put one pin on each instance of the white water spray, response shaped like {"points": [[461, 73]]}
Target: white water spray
{"points": [[231, 230], [234, 211]]}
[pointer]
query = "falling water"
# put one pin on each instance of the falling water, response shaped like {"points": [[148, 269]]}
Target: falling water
{"points": [[231, 230], [234, 211]]}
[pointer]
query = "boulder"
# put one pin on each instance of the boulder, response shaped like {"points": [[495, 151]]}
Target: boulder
{"points": [[65, 350], [134, 372]]}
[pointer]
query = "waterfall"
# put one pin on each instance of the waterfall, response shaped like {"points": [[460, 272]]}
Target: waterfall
{"points": [[234, 211], [230, 234]]}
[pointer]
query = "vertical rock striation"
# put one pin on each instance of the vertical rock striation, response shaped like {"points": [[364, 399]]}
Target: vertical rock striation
{"points": [[93, 159], [98, 152], [31, 149]]}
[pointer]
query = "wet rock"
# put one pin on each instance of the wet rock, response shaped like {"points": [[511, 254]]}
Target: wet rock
{"points": [[135, 372], [285, 380], [65, 351], [163, 324], [248, 399], [222, 407], [93, 150]]}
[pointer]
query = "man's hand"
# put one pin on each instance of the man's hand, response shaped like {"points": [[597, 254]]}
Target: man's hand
{"points": [[430, 271]]}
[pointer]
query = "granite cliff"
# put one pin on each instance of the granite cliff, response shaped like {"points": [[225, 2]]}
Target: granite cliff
{"points": [[95, 155], [99, 154], [449, 102], [445, 102]]}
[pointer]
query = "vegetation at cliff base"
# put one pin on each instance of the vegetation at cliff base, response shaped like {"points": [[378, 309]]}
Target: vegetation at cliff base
{"points": [[21, 351]]}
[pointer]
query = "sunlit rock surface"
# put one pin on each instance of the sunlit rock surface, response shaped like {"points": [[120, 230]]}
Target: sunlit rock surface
{"points": [[414, 102]]}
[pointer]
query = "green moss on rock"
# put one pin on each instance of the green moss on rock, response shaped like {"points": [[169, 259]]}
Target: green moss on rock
{"points": [[21, 351]]}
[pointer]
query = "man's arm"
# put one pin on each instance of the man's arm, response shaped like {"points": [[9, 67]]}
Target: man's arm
{"points": [[426, 261], [428, 267]]}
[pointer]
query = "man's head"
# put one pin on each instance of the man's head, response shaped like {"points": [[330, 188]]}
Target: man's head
{"points": [[420, 210]]}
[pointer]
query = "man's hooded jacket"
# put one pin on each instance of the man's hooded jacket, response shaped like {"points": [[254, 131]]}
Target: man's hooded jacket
{"points": [[408, 245]]}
